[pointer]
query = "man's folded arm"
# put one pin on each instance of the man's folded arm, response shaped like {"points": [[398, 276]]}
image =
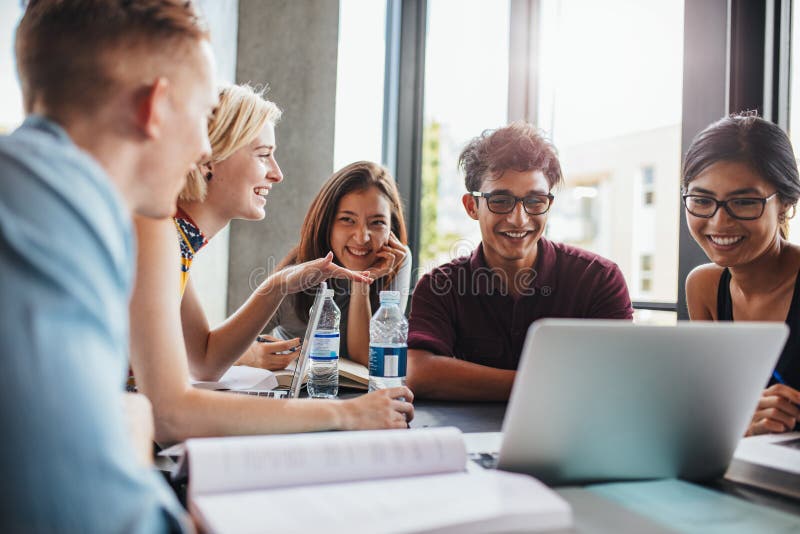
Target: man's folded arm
{"points": [[433, 376]]}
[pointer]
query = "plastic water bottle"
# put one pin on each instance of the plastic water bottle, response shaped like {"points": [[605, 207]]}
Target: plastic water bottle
{"points": [[388, 332], [323, 372]]}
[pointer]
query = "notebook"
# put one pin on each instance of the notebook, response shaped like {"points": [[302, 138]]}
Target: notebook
{"points": [[769, 461], [368, 481]]}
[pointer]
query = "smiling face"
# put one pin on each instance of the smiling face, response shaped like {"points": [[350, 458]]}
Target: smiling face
{"points": [[510, 238], [360, 228], [728, 241], [240, 183]]}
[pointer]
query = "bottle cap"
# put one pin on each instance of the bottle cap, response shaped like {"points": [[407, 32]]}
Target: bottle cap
{"points": [[327, 293], [390, 296]]}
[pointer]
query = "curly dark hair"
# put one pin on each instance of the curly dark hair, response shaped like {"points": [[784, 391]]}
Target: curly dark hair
{"points": [[520, 146]]}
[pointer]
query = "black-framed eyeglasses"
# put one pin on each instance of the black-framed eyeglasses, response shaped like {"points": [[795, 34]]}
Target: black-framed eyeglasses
{"points": [[502, 203], [745, 208]]}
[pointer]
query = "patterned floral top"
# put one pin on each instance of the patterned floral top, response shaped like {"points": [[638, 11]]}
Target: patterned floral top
{"points": [[191, 240]]}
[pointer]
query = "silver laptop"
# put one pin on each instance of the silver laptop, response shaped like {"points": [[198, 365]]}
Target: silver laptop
{"points": [[609, 400], [300, 365]]}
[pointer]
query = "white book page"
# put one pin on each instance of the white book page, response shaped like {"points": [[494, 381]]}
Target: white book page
{"points": [[492, 501], [218, 465], [353, 370], [769, 450]]}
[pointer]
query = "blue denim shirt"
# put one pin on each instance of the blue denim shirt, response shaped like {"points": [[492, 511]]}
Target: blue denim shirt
{"points": [[67, 257]]}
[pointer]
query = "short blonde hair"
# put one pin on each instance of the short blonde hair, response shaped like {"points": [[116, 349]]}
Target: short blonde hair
{"points": [[242, 113], [71, 55]]}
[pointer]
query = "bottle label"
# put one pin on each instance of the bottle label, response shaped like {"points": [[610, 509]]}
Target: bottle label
{"points": [[387, 362], [324, 346]]}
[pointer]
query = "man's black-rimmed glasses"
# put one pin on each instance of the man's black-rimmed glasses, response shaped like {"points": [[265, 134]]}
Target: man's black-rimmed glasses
{"points": [[746, 209], [502, 203]]}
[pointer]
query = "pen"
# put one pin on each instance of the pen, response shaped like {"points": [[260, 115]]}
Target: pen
{"points": [[779, 379], [262, 339]]}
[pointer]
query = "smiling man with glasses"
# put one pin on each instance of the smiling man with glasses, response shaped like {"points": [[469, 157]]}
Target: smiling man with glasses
{"points": [[469, 317]]}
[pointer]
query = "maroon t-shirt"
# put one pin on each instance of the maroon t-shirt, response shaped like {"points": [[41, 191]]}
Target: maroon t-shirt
{"points": [[459, 309]]}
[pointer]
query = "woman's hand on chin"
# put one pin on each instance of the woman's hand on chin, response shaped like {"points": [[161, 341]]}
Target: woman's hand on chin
{"points": [[390, 258]]}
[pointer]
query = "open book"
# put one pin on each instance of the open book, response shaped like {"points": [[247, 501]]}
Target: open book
{"points": [[768, 461], [368, 481], [351, 375]]}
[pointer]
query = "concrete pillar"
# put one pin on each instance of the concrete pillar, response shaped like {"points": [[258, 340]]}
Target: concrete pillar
{"points": [[290, 45]]}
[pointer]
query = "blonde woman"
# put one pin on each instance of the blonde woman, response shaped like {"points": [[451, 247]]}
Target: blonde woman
{"points": [[170, 334]]}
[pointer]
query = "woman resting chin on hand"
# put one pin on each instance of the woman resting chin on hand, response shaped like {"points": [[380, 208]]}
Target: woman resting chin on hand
{"points": [[356, 216]]}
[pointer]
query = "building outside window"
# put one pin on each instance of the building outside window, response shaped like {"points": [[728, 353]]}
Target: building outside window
{"points": [[794, 107], [647, 186], [466, 92], [359, 82], [610, 96]]}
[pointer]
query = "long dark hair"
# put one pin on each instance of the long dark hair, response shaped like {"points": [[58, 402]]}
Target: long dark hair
{"points": [[747, 138], [315, 234]]}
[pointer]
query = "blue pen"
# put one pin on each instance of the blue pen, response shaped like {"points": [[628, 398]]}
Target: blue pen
{"points": [[778, 378]]}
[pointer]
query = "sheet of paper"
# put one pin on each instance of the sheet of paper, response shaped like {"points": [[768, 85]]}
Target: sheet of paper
{"points": [[175, 450], [240, 377], [462, 503], [258, 462], [487, 442]]}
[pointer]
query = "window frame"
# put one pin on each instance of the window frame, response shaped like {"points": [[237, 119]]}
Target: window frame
{"points": [[736, 57]]}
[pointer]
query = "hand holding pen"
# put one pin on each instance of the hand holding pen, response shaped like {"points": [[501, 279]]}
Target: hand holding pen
{"points": [[778, 409], [271, 353]]}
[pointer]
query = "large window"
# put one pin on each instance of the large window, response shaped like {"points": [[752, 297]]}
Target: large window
{"points": [[466, 92], [11, 113], [794, 108], [610, 86], [359, 81]]}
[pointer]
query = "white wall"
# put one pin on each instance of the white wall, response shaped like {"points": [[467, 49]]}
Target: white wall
{"points": [[210, 267]]}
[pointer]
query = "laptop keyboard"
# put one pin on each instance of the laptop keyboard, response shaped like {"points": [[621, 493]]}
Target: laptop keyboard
{"points": [[277, 394], [484, 459]]}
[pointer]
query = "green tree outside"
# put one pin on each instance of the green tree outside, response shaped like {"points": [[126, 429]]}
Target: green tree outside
{"points": [[433, 244]]}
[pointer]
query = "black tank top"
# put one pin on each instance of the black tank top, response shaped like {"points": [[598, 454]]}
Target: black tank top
{"points": [[789, 363]]}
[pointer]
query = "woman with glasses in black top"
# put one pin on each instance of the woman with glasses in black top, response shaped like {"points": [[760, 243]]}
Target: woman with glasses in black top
{"points": [[740, 188]]}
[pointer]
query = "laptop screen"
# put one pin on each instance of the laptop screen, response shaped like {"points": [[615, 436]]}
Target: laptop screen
{"points": [[302, 360]]}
